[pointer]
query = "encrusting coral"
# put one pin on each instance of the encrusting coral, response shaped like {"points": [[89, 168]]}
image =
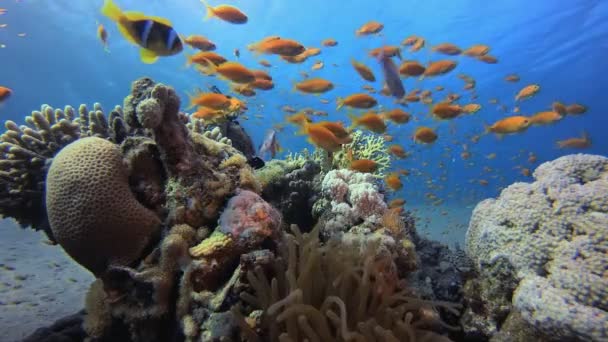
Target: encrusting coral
{"points": [[335, 292], [93, 214], [541, 250]]}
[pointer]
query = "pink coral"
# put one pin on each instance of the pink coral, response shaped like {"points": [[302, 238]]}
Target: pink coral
{"points": [[248, 217]]}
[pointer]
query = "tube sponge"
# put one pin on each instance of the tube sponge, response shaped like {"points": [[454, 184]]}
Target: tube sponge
{"points": [[92, 212]]}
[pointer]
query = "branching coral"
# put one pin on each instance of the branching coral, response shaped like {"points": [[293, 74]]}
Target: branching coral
{"points": [[336, 292], [364, 146]]}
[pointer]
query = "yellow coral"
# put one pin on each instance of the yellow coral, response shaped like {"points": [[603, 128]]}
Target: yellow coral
{"points": [[365, 146], [212, 245], [248, 180], [237, 160]]}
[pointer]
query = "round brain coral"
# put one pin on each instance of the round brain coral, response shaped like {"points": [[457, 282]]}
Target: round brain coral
{"points": [[92, 212]]}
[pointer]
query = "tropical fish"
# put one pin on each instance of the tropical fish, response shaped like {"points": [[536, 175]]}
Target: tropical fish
{"points": [[299, 118], [545, 118], [265, 63], [527, 92], [393, 182], [371, 27], [471, 108], [102, 35], [317, 66], [388, 51], [447, 49], [418, 44], [261, 74], [211, 100], [5, 93], [262, 83], [199, 42], [439, 67], [488, 59], [409, 41], [580, 142], [559, 108], [362, 165], [244, 89], [363, 70], [509, 125], [512, 78], [278, 46], [370, 120], [397, 151], [361, 101], [237, 53], [329, 42], [397, 116], [576, 109], [411, 68], [232, 71], [270, 144], [476, 50], [425, 135], [446, 111], [227, 13], [314, 86], [203, 58], [395, 203], [154, 35], [391, 76], [322, 137]]}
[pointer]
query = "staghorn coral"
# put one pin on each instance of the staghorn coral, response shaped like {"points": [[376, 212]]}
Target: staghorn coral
{"points": [[335, 292], [364, 146], [92, 212], [541, 250]]}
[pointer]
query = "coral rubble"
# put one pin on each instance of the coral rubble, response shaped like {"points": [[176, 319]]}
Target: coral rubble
{"points": [[541, 252]]}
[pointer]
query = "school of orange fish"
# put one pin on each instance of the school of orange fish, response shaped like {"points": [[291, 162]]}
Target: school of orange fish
{"points": [[363, 108]]}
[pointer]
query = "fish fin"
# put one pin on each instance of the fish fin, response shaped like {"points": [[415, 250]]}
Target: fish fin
{"points": [[340, 102], [134, 16], [210, 12], [148, 56], [112, 11]]}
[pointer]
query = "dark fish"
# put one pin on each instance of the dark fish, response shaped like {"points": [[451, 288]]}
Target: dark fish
{"points": [[270, 144], [391, 75], [154, 35]]}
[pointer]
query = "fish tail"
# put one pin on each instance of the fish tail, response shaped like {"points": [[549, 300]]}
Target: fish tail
{"points": [[210, 12], [340, 103], [112, 11]]}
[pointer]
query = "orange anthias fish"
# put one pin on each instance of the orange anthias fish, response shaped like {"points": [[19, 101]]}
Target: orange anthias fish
{"points": [[440, 67], [418, 44], [545, 118], [446, 111], [512, 78], [411, 68], [227, 13], [261, 74], [232, 71], [314, 86], [262, 83], [559, 108], [207, 114], [488, 59], [471, 108], [329, 42], [397, 151], [395, 203], [5, 93], [576, 108], [364, 71], [244, 89], [199, 42], [579, 143], [370, 120], [204, 58], [393, 182], [322, 137], [447, 49], [388, 51], [425, 135], [338, 129], [397, 116], [361, 101], [527, 92], [211, 100], [361, 165], [510, 125], [371, 27], [102, 35], [476, 50], [278, 46], [299, 118]]}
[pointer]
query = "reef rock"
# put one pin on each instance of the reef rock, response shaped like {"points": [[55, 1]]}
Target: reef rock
{"points": [[541, 249], [93, 213]]}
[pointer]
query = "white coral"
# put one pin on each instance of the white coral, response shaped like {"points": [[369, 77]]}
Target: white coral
{"points": [[554, 233]]}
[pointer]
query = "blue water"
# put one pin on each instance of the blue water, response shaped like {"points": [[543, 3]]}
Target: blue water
{"points": [[561, 45]]}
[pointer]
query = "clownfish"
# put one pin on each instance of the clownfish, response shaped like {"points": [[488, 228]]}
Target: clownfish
{"points": [[154, 35]]}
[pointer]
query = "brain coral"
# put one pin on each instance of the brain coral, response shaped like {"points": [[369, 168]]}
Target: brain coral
{"points": [[92, 212], [553, 236]]}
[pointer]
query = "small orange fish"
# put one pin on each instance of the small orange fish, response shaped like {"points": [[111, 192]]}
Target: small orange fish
{"points": [[364, 71], [526, 172], [278, 46], [476, 50], [5, 93], [199, 42], [370, 120], [575, 109], [261, 83], [371, 27], [446, 111], [510, 125], [288, 109], [211, 100], [395, 203], [317, 66], [411, 68], [559, 108], [425, 135], [393, 182], [322, 137], [418, 44], [244, 89], [483, 182], [439, 88], [312, 51], [208, 114], [409, 41], [329, 42], [102, 35], [361, 101], [261, 74], [364, 165], [545, 118], [387, 51], [314, 86], [337, 128], [227, 13], [527, 92], [397, 151], [512, 78], [447, 49], [232, 71], [471, 108], [397, 116], [265, 63], [488, 59], [203, 58], [440, 67], [299, 119], [579, 143]]}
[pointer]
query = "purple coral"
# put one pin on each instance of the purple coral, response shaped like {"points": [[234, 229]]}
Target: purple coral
{"points": [[248, 217]]}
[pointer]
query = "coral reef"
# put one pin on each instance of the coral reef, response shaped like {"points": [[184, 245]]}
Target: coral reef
{"points": [[92, 212], [291, 187], [335, 292], [364, 146], [541, 252]]}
